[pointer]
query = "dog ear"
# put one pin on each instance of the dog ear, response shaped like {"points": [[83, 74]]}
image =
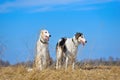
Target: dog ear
{"points": [[78, 34], [41, 33]]}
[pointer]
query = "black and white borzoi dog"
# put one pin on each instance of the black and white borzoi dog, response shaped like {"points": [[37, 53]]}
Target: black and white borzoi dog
{"points": [[68, 47], [42, 53]]}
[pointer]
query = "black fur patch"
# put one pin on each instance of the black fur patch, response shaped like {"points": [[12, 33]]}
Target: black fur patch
{"points": [[78, 34], [56, 46], [64, 48], [62, 44]]}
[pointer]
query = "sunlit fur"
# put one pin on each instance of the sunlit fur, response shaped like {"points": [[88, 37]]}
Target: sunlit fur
{"points": [[42, 53], [68, 49]]}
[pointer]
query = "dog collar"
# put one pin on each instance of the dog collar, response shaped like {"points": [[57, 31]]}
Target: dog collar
{"points": [[43, 42], [73, 42]]}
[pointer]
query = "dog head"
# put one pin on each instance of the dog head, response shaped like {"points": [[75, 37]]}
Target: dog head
{"points": [[44, 35], [80, 38]]}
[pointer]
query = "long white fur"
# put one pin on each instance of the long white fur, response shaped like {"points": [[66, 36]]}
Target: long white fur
{"points": [[42, 53]]}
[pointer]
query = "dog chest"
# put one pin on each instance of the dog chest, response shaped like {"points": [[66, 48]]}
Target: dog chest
{"points": [[71, 48]]}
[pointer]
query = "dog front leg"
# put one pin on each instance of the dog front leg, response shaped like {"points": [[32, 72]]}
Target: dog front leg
{"points": [[40, 64], [73, 65]]}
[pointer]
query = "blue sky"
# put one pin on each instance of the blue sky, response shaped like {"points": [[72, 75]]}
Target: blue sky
{"points": [[21, 21]]}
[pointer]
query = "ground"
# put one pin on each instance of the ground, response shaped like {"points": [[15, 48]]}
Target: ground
{"points": [[83, 73]]}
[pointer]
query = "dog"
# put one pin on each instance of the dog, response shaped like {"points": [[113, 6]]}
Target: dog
{"points": [[68, 47], [42, 57]]}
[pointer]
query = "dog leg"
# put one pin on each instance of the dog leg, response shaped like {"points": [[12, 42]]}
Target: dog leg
{"points": [[66, 63], [59, 57], [44, 63], [60, 63], [73, 65], [57, 64], [41, 64]]}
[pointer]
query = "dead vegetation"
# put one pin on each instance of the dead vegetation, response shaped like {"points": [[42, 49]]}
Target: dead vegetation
{"points": [[83, 73]]}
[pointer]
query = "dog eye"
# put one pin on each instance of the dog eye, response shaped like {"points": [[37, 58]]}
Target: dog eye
{"points": [[81, 36]]}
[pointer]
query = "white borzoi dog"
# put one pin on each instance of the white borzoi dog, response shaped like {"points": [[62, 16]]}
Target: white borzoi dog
{"points": [[68, 47], [42, 53]]}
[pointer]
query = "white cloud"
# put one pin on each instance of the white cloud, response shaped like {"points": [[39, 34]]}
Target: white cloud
{"points": [[44, 5], [41, 9]]}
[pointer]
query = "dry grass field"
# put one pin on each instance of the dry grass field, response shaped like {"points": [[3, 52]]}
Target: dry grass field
{"points": [[83, 73]]}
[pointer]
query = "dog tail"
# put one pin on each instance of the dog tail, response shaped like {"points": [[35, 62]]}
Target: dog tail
{"points": [[61, 44]]}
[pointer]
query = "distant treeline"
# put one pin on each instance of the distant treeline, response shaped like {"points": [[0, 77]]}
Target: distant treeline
{"points": [[95, 62], [101, 61], [4, 63]]}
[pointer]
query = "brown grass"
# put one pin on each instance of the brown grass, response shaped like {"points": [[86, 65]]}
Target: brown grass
{"points": [[85, 73]]}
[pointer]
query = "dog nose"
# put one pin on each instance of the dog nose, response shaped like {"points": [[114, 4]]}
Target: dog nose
{"points": [[85, 41], [49, 35]]}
